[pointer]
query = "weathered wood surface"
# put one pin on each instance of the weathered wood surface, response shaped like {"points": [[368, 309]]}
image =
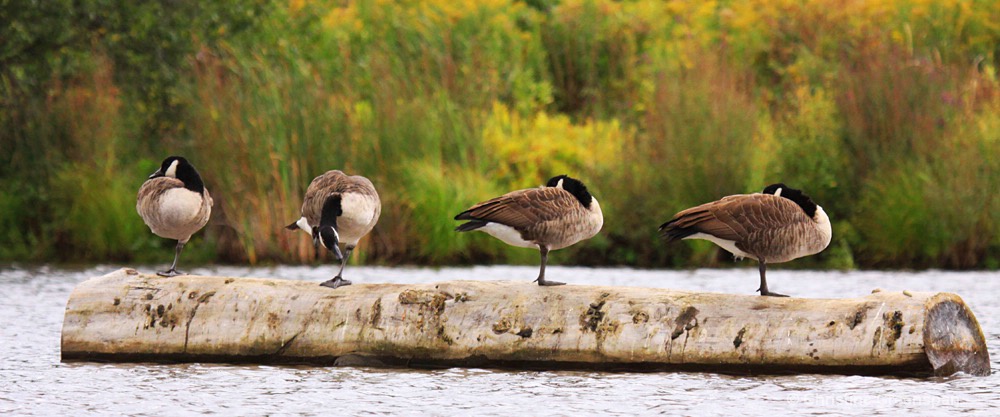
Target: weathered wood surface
{"points": [[128, 316]]}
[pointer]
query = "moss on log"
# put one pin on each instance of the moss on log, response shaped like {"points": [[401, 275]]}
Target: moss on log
{"points": [[128, 316]]}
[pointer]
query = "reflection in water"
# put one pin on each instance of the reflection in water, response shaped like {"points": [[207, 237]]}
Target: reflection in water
{"points": [[34, 382]]}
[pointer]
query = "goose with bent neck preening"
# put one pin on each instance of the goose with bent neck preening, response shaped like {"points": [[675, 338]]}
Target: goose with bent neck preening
{"points": [[175, 204], [339, 208], [552, 217], [777, 225]]}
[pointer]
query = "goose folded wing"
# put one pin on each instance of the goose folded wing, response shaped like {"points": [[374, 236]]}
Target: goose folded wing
{"points": [[757, 213], [523, 208], [319, 189], [156, 186], [729, 218]]}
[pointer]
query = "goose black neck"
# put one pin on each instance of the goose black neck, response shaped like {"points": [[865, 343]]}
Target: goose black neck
{"points": [[331, 210], [574, 187], [797, 196], [189, 176]]}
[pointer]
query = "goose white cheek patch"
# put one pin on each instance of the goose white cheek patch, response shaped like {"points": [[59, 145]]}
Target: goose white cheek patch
{"points": [[304, 225], [172, 170]]}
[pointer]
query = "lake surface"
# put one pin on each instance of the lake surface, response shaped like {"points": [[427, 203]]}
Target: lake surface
{"points": [[34, 382]]}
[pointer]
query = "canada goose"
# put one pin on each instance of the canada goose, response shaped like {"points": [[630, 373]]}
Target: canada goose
{"points": [[777, 225], [548, 218], [339, 208], [175, 204]]}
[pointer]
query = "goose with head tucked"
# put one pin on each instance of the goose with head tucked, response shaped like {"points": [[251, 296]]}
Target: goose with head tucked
{"points": [[551, 217], [777, 225], [339, 208], [175, 204]]}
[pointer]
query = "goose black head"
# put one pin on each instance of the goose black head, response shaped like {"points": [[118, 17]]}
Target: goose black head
{"points": [[574, 186], [180, 168], [327, 234], [781, 190]]}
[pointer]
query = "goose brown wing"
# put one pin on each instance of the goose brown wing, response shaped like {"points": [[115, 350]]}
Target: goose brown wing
{"points": [[320, 188], [523, 208], [148, 199], [153, 188], [770, 213], [734, 217], [207, 199]]}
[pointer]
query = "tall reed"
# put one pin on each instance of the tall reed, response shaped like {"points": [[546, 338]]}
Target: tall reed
{"points": [[885, 112]]}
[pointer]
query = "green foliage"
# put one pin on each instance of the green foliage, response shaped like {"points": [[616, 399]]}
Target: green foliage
{"points": [[96, 215], [593, 58], [931, 212], [811, 150], [697, 144], [885, 112], [19, 241], [436, 194]]}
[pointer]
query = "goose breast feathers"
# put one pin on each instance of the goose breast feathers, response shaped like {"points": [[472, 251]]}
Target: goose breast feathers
{"points": [[172, 211]]}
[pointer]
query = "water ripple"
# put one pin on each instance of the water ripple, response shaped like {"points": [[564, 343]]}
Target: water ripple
{"points": [[34, 382]]}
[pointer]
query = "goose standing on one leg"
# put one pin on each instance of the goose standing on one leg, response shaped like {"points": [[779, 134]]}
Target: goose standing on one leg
{"points": [[775, 226], [548, 218], [175, 204], [339, 208]]}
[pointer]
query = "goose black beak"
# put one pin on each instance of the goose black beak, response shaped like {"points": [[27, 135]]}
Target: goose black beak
{"points": [[327, 236], [337, 253], [158, 173]]}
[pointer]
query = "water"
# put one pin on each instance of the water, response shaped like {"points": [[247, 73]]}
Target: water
{"points": [[33, 381]]}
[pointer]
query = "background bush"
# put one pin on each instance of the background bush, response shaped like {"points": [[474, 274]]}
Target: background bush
{"points": [[886, 112]]}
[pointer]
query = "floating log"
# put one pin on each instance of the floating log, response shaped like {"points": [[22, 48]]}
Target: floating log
{"points": [[128, 316]]}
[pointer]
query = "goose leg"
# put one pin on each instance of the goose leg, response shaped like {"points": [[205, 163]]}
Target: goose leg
{"points": [[762, 265], [544, 250], [173, 272], [337, 281]]}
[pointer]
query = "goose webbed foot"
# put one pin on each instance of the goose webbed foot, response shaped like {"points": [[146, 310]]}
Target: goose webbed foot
{"points": [[767, 293], [170, 273], [544, 283], [762, 289], [335, 283]]}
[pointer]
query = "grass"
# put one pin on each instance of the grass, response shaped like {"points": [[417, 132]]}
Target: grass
{"points": [[884, 112]]}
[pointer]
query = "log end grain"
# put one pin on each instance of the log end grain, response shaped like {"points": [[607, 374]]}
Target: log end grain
{"points": [[953, 339]]}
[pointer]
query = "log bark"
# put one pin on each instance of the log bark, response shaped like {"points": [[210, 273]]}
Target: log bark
{"points": [[128, 316]]}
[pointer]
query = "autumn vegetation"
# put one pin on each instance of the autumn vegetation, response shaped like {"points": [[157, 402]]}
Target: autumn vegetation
{"points": [[886, 112]]}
